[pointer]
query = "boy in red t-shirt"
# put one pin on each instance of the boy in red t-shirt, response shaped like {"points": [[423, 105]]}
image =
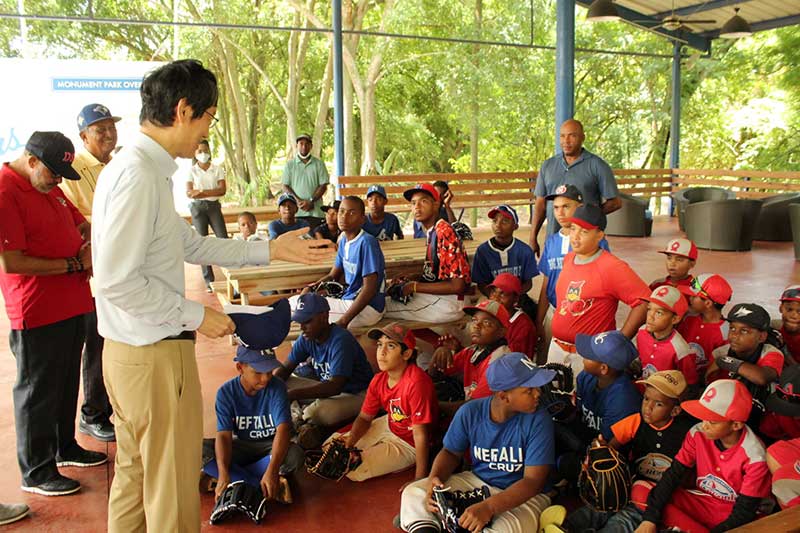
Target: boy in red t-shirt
{"points": [[521, 335], [402, 437], [660, 345], [706, 330], [681, 258], [790, 322]]}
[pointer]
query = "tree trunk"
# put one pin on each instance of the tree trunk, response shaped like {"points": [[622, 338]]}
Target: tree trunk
{"points": [[324, 106]]}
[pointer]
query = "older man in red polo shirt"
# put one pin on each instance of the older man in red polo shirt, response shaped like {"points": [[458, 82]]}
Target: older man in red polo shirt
{"points": [[45, 262]]}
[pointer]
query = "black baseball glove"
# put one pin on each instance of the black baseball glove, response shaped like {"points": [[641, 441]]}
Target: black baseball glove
{"points": [[557, 395], [452, 504], [333, 461], [605, 481], [239, 497], [395, 292]]}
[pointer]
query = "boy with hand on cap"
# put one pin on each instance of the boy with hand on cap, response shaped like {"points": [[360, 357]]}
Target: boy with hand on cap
{"points": [[248, 228], [402, 437], [287, 208], [660, 345], [655, 434], [706, 329], [681, 258], [748, 356], [437, 294], [731, 474], [487, 331], [511, 445], [782, 419], [330, 228], [503, 253], [360, 265], [590, 287], [789, 326], [253, 421], [380, 224], [521, 335], [340, 366]]}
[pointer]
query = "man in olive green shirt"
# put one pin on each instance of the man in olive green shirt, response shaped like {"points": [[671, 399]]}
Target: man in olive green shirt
{"points": [[306, 177]]}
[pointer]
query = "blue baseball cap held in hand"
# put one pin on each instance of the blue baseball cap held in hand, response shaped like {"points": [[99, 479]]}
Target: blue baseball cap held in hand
{"points": [[308, 305], [260, 327], [260, 361], [611, 348], [514, 370]]}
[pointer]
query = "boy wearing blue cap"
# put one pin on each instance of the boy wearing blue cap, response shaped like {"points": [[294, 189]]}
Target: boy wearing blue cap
{"points": [[503, 253], [253, 421], [287, 209], [342, 372], [512, 447], [380, 224]]}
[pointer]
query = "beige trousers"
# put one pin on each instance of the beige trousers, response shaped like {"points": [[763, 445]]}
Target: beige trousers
{"points": [[327, 412], [155, 392]]}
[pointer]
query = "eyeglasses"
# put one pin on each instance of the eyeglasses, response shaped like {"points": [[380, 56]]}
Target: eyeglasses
{"points": [[696, 287], [214, 119]]}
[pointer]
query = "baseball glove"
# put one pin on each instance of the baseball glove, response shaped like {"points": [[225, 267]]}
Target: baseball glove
{"points": [[333, 461], [605, 480], [239, 497], [395, 292], [557, 395], [331, 289], [453, 503], [462, 231]]}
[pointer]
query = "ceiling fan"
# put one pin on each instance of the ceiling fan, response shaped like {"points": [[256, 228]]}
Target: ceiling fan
{"points": [[673, 22]]}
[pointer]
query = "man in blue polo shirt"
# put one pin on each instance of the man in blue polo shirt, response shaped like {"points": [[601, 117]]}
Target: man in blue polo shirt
{"points": [[578, 166], [341, 370], [511, 442]]}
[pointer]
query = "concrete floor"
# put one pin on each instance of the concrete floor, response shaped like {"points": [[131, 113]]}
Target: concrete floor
{"points": [[756, 276]]}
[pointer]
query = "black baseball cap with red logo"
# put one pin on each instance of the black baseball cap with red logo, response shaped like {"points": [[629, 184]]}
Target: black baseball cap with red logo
{"points": [[55, 151]]}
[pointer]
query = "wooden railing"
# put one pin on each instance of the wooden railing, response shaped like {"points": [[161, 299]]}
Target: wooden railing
{"points": [[746, 183]]}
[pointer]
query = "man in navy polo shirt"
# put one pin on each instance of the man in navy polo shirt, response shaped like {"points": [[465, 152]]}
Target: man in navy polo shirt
{"points": [[46, 261], [578, 166]]}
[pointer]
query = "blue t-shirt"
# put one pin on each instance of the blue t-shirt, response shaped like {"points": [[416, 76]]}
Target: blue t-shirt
{"points": [[277, 228], [556, 246], [252, 417], [386, 230], [517, 259], [602, 408], [358, 258], [339, 355], [589, 173], [500, 452]]}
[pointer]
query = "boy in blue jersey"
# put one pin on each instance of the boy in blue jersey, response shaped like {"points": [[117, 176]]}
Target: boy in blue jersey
{"points": [[341, 371], [287, 209], [512, 447], [565, 200], [380, 224], [253, 421], [360, 265], [503, 253]]}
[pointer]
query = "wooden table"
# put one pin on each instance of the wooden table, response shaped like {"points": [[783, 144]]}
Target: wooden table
{"points": [[786, 521]]}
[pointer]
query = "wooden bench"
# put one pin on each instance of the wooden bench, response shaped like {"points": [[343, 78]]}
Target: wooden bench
{"points": [[231, 214], [786, 521]]}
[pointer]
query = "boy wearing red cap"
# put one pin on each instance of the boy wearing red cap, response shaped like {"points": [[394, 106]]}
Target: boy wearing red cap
{"points": [[681, 258], [402, 437], [521, 335], [437, 294], [660, 345], [706, 329], [730, 463], [790, 322]]}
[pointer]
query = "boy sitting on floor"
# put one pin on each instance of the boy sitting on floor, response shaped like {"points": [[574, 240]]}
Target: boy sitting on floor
{"points": [[380, 224], [706, 330], [681, 258], [521, 335], [731, 474], [402, 437], [287, 208], [511, 445]]}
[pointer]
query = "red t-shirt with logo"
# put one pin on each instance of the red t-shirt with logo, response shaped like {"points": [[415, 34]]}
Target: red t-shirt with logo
{"points": [[40, 225], [475, 384], [588, 295], [671, 353], [410, 402], [703, 337]]}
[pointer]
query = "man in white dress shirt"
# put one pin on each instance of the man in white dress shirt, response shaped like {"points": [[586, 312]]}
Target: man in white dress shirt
{"points": [[139, 246]]}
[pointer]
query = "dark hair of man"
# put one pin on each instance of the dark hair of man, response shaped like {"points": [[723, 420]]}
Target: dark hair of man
{"points": [[163, 88], [442, 185], [205, 143], [358, 201], [248, 215]]}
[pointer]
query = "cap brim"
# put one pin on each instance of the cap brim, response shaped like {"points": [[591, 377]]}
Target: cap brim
{"points": [[505, 288], [376, 334], [379, 193], [583, 345], [411, 192], [687, 256], [582, 223], [658, 386], [542, 377], [268, 365], [663, 305], [71, 174], [302, 316], [471, 310], [700, 412]]}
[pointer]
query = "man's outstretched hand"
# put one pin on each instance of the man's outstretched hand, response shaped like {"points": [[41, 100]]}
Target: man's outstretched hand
{"points": [[292, 247]]}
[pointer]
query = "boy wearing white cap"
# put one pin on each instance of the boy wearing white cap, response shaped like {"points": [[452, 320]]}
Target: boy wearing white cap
{"points": [[512, 446], [681, 258]]}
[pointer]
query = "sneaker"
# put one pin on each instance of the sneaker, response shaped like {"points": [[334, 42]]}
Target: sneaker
{"points": [[58, 486], [11, 512], [102, 431], [81, 458]]}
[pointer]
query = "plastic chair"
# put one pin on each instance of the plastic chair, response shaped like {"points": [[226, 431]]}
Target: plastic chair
{"points": [[722, 224], [773, 222], [630, 219], [691, 195]]}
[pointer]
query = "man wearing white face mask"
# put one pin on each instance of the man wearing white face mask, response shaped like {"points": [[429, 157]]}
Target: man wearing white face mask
{"points": [[205, 186], [306, 178]]}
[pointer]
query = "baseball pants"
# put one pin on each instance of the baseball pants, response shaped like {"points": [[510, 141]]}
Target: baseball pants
{"points": [[158, 409], [414, 512], [328, 412], [557, 354], [691, 511], [382, 452], [431, 308], [367, 317]]}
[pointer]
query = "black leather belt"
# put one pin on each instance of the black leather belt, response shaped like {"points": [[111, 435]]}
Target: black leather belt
{"points": [[182, 336]]}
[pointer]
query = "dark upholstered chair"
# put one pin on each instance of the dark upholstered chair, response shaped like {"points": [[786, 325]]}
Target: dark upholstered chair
{"points": [[630, 219], [691, 195], [794, 218], [773, 222], [722, 224]]}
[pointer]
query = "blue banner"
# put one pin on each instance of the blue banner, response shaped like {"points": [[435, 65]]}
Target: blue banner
{"points": [[96, 84]]}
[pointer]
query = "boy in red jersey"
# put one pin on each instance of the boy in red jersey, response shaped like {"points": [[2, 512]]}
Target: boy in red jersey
{"points": [[681, 258], [706, 330], [521, 335]]}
